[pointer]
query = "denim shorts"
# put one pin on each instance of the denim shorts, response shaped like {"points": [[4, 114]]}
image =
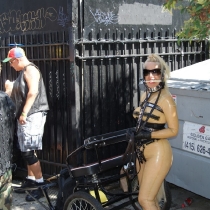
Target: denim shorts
{"points": [[30, 134]]}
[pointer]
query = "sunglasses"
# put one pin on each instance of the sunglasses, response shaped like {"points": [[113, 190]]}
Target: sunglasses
{"points": [[154, 72]]}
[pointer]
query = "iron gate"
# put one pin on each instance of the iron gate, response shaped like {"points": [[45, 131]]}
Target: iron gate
{"points": [[49, 51]]}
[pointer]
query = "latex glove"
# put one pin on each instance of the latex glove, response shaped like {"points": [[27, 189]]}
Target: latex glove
{"points": [[143, 135]]}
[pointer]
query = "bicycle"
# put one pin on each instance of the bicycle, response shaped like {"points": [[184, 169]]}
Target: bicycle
{"points": [[84, 187], [88, 187]]}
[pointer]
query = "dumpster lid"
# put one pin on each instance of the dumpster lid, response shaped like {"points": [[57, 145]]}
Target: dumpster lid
{"points": [[189, 85], [196, 72]]}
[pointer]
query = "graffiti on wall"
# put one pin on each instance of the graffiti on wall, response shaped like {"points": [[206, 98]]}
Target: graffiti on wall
{"points": [[15, 20], [62, 18], [105, 18]]}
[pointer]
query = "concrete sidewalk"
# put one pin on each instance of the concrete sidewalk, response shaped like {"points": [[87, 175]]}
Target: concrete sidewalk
{"points": [[179, 195], [19, 202]]}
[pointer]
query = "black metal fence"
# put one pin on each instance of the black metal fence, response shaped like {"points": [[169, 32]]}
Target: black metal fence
{"points": [[114, 67], [92, 78], [110, 70]]}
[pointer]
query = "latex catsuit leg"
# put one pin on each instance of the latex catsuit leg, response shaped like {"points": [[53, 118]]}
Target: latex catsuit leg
{"points": [[153, 172]]}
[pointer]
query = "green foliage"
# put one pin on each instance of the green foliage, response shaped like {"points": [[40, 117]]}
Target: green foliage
{"points": [[198, 26]]}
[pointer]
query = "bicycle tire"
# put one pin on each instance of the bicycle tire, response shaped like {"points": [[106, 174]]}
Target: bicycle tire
{"points": [[164, 197], [82, 200]]}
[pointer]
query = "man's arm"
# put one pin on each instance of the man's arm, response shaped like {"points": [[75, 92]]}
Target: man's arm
{"points": [[32, 76]]}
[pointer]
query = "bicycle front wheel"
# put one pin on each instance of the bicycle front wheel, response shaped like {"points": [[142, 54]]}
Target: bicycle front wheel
{"points": [[82, 200]]}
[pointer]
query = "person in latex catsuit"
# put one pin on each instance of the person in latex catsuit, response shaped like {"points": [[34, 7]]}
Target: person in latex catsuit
{"points": [[153, 151]]}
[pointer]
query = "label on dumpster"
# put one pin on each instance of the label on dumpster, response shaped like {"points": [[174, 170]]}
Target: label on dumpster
{"points": [[196, 138]]}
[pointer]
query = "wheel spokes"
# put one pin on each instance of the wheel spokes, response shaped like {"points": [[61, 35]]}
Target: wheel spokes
{"points": [[80, 204]]}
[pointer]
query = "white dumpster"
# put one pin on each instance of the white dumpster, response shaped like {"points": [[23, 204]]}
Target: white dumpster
{"points": [[190, 88]]}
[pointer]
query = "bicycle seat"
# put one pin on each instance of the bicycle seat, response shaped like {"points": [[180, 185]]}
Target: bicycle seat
{"points": [[97, 167]]}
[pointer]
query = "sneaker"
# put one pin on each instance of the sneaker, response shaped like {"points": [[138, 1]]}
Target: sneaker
{"points": [[36, 194], [27, 184]]}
